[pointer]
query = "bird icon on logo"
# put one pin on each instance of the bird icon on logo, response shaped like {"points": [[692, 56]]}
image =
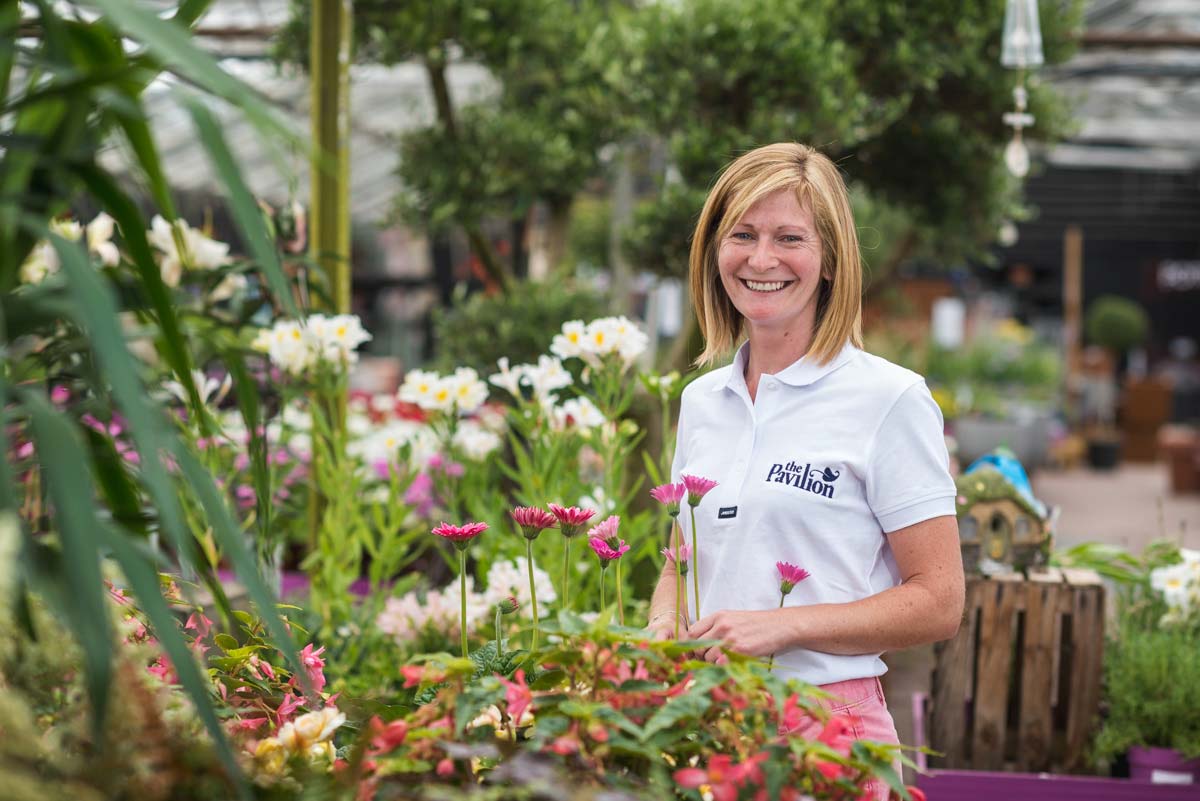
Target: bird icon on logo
{"points": [[830, 475]]}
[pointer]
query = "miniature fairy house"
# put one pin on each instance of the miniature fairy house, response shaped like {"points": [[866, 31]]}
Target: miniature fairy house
{"points": [[1002, 527]]}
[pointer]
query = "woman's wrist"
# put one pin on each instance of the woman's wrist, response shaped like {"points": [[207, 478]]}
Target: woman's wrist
{"points": [[666, 614]]}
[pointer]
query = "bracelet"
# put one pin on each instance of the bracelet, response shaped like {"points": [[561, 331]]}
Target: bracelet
{"points": [[679, 615]]}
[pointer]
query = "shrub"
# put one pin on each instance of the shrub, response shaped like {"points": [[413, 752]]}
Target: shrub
{"points": [[1116, 323], [479, 329]]}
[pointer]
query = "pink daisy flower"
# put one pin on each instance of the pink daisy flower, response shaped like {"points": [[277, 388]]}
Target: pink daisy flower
{"points": [[607, 553], [697, 487], [571, 519], [532, 520], [681, 561], [669, 495], [460, 535], [790, 575]]}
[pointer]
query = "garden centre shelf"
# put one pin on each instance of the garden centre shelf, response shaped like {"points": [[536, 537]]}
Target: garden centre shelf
{"points": [[1019, 687]]}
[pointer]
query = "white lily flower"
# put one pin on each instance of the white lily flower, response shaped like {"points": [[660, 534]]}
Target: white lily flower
{"points": [[99, 239], [475, 441], [199, 251], [211, 390]]}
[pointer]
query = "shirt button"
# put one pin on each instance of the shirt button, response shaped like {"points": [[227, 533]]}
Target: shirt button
{"points": [[772, 385]]}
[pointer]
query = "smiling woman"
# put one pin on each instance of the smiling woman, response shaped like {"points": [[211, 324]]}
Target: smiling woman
{"points": [[824, 457]]}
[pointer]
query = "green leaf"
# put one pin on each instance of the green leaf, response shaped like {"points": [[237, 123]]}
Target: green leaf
{"points": [[693, 705], [70, 489], [245, 210]]}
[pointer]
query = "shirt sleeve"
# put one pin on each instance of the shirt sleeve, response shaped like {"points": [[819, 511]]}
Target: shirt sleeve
{"points": [[908, 473]]}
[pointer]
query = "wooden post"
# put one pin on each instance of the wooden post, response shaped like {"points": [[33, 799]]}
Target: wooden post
{"points": [[330, 115], [1073, 312]]}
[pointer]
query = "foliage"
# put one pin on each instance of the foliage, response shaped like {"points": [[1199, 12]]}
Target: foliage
{"points": [[1152, 654], [1152, 687], [479, 329], [1116, 323], [993, 369], [74, 81], [907, 97], [614, 710]]}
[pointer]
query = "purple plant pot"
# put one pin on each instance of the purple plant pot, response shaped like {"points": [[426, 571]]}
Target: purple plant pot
{"points": [[1162, 766]]}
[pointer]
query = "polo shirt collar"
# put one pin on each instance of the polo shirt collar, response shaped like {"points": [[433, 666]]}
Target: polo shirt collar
{"points": [[800, 373]]}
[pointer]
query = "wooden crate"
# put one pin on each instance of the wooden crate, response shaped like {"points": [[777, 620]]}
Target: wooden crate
{"points": [[1018, 688]]}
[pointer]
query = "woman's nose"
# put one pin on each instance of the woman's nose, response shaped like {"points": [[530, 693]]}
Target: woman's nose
{"points": [[763, 256]]}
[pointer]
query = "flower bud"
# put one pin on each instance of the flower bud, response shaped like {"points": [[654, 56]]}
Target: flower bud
{"points": [[508, 606]]}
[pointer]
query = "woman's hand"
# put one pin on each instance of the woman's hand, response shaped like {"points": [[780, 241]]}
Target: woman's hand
{"points": [[754, 633]]}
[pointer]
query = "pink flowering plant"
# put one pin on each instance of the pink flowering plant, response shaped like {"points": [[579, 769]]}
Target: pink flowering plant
{"points": [[609, 548], [604, 709]]}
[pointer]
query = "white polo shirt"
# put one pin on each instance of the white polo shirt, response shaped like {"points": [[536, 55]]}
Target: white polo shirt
{"points": [[815, 471]]}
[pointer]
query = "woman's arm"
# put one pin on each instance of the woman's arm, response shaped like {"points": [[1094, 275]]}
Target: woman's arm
{"points": [[926, 607], [661, 619]]}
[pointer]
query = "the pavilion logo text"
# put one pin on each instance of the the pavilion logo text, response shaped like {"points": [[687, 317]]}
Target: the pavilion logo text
{"points": [[804, 477]]}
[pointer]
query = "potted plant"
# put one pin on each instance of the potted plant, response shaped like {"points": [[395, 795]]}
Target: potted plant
{"points": [[1152, 676], [1115, 324]]}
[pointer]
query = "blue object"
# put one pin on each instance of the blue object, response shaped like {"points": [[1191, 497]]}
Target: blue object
{"points": [[1005, 462]]}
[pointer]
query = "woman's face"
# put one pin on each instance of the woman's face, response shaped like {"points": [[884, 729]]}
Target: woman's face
{"points": [[770, 265]]}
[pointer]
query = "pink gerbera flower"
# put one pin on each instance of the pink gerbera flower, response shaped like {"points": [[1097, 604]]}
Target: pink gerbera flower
{"points": [[460, 535], [606, 552], [571, 519], [681, 559], [790, 575], [697, 487], [532, 520], [670, 496]]}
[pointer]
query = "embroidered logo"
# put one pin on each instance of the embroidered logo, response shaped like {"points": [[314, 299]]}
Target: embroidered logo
{"points": [[805, 477]]}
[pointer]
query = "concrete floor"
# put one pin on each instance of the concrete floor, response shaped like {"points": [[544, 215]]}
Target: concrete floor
{"points": [[1129, 507]]}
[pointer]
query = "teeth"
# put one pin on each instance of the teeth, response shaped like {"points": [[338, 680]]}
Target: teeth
{"points": [[759, 286]]}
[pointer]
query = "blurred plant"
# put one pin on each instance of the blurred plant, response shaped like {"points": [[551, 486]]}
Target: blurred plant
{"points": [[479, 329], [1116, 323]]}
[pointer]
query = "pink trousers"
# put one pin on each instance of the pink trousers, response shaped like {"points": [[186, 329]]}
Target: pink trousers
{"points": [[862, 701]]}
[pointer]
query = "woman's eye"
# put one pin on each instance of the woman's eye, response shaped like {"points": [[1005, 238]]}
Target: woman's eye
{"points": [[792, 238], [742, 235]]}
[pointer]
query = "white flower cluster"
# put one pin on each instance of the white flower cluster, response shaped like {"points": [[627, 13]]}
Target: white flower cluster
{"points": [[43, 259], [1179, 585], [296, 347], [405, 617], [461, 391], [600, 338], [543, 379]]}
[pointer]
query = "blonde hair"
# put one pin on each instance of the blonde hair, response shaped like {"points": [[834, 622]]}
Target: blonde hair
{"points": [[819, 186]]}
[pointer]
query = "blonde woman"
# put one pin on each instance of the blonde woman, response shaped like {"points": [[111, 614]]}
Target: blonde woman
{"points": [[826, 457]]}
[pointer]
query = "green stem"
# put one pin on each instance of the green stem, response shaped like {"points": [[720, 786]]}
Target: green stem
{"points": [[677, 535], [499, 639], [532, 591], [695, 564], [462, 586], [603, 573], [566, 567], [771, 661], [620, 605]]}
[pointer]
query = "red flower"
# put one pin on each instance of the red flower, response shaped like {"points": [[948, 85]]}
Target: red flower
{"points": [[445, 767], [386, 736], [669, 495], [723, 776], [790, 575], [460, 535], [517, 695], [532, 520], [697, 488], [287, 708], [571, 519], [314, 666]]}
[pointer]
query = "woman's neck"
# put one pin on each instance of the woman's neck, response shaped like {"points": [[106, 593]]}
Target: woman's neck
{"points": [[773, 351]]}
